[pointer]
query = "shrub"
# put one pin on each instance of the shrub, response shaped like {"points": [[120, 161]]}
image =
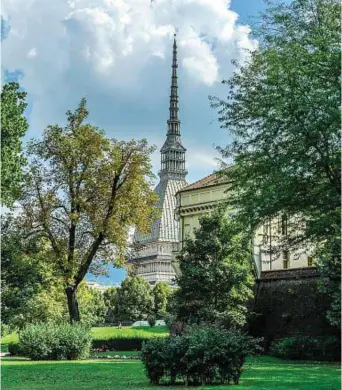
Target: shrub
{"points": [[307, 348], [154, 355], [201, 356], [14, 349], [55, 342], [119, 344]]}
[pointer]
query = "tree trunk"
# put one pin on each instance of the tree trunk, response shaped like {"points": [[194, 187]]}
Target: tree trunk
{"points": [[74, 313]]}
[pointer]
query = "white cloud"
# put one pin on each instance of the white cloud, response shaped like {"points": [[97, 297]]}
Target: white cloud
{"points": [[117, 53], [32, 53]]}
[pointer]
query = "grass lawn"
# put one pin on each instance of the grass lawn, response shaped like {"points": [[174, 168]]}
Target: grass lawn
{"points": [[105, 333], [262, 373]]}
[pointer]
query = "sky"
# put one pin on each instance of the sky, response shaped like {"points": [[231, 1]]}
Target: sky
{"points": [[117, 54]]}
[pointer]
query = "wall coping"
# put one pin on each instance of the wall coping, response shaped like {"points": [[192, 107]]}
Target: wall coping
{"points": [[292, 273]]}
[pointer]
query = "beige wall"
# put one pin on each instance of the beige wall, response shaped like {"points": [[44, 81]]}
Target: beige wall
{"points": [[192, 204], [265, 243]]}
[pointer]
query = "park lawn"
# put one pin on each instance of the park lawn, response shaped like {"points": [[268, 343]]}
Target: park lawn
{"points": [[104, 333], [264, 373]]}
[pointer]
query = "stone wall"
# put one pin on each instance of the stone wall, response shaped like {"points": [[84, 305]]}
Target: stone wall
{"points": [[289, 303]]}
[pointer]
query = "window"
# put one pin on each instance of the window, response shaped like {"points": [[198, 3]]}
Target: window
{"points": [[284, 225], [286, 259], [310, 261]]}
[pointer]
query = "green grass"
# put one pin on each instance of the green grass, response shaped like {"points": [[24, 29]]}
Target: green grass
{"points": [[105, 333], [264, 374], [10, 338]]}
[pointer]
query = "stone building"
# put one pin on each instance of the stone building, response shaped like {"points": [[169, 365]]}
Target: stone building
{"points": [[153, 251], [203, 196]]}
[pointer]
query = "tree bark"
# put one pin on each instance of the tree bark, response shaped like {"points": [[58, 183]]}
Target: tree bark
{"points": [[74, 313]]}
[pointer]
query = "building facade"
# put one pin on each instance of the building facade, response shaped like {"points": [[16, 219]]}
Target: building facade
{"points": [[205, 195], [153, 251]]}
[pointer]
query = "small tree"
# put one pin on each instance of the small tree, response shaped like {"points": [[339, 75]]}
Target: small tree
{"points": [[161, 293], [110, 300], [83, 192], [13, 127], [134, 299], [216, 277]]}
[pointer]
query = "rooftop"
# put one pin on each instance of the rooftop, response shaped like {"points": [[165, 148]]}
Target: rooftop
{"points": [[211, 180]]}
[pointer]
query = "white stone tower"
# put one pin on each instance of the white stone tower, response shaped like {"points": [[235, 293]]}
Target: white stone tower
{"points": [[153, 251]]}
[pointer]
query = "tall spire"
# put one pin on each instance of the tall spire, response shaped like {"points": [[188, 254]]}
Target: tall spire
{"points": [[173, 152], [174, 86]]}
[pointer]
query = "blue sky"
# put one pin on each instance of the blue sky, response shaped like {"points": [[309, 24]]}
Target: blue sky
{"points": [[118, 55]]}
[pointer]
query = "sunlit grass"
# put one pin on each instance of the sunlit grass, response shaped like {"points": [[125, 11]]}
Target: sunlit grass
{"points": [[18, 374]]}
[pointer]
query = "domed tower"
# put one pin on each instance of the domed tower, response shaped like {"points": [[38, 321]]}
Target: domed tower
{"points": [[153, 251]]}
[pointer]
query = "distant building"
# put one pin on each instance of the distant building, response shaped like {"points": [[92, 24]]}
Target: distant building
{"points": [[153, 251], [203, 196], [97, 286]]}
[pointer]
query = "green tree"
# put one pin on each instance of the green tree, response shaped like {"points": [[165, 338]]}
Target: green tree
{"points": [[161, 293], [216, 279], [134, 299], [110, 299], [283, 113], [13, 127], [25, 272], [82, 193]]}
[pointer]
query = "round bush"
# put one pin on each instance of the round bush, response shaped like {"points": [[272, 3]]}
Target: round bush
{"points": [[55, 342], [200, 356]]}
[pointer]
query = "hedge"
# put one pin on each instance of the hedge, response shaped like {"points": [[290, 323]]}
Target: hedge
{"points": [[120, 344], [308, 348]]}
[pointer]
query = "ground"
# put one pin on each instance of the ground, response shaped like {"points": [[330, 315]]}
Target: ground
{"points": [[260, 373]]}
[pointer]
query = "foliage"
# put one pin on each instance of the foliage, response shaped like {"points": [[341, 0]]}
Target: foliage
{"points": [[134, 299], [120, 344], [13, 127], [154, 357], [25, 275], [326, 348], [15, 349], [4, 330], [82, 193], [55, 342], [161, 294], [216, 278], [283, 113], [87, 374], [201, 355], [109, 297]]}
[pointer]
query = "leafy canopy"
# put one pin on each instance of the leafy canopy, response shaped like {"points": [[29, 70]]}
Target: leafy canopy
{"points": [[216, 278], [283, 112], [13, 127], [83, 192], [134, 299]]}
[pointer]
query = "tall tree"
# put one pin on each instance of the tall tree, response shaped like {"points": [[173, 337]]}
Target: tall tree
{"points": [[161, 293], [13, 127], [82, 193], [283, 113], [216, 278], [134, 299]]}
